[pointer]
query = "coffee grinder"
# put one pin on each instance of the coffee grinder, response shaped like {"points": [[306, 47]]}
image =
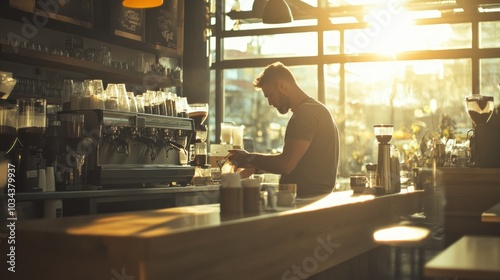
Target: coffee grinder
{"points": [[8, 127], [485, 134], [31, 123], [8, 135], [388, 175], [199, 113]]}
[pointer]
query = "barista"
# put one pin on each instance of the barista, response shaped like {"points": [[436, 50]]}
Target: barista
{"points": [[310, 154]]}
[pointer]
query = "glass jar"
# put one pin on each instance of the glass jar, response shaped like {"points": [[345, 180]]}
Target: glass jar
{"points": [[371, 175]]}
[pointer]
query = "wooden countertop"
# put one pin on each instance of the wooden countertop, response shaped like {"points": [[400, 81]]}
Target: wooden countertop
{"points": [[492, 214], [112, 192], [471, 257], [196, 242]]}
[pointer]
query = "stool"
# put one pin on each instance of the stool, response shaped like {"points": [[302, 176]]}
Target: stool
{"points": [[405, 236]]}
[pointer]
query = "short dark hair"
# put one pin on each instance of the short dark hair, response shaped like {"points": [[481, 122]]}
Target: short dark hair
{"points": [[272, 73]]}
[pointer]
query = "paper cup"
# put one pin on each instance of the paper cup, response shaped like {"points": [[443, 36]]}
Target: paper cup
{"points": [[231, 201], [251, 199], [231, 180]]}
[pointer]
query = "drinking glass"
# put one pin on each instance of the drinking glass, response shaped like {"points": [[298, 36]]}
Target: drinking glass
{"points": [[170, 104], [111, 102], [140, 103], [88, 92], [155, 101], [77, 95], [371, 175], [98, 87], [174, 99], [149, 101], [183, 107], [67, 91], [237, 136], [163, 97], [88, 87], [31, 121], [133, 102], [226, 133], [123, 101]]}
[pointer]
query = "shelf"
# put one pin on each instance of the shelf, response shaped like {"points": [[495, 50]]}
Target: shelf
{"points": [[97, 30], [94, 70]]}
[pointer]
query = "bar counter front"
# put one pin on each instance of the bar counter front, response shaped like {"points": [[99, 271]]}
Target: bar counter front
{"points": [[197, 242]]}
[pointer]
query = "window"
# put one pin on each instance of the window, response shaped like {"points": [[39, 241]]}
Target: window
{"points": [[409, 66], [489, 32], [294, 44], [402, 35]]}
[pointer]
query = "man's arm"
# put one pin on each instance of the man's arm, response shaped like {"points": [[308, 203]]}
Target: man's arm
{"points": [[282, 163]]}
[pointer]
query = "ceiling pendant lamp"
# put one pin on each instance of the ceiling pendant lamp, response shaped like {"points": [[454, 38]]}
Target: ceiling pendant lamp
{"points": [[141, 4], [277, 11], [258, 8]]}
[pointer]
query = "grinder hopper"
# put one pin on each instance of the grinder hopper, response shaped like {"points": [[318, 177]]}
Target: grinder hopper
{"points": [[7, 84]]}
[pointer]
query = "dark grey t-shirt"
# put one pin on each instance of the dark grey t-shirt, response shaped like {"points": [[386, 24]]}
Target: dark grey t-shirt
{"points": [[316, 172]]}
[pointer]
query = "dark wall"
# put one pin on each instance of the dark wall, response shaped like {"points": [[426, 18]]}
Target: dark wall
{"points": [[196, 74]]}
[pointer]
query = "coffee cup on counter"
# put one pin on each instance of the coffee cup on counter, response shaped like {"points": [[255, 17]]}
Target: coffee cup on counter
{"points": [[231, 195], [286, 195], [251, 195], [358, 183]]}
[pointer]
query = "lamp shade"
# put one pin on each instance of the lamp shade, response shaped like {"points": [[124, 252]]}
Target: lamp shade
{"points": [[277, 11], [258, 8], [140, 4]]}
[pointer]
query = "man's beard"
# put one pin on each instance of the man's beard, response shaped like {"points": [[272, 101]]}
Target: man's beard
{"points": [[285, 107]]}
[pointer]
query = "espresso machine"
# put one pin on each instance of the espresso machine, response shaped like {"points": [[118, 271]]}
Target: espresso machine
{"points": [[485, 134], [126, 149], [388, 167]]}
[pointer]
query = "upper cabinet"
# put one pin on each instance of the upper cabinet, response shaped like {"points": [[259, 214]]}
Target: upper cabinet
{"points": [[97, 39]]}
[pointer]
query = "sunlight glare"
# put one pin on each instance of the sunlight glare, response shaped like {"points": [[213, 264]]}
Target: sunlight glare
{"points": [[403, 35]]}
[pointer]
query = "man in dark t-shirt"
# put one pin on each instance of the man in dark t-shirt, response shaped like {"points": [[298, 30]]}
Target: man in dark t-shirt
{"points": [[311, 150]]}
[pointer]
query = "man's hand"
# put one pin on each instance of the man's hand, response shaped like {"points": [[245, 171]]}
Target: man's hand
{"points": [[246, 172], [240, 158]]}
